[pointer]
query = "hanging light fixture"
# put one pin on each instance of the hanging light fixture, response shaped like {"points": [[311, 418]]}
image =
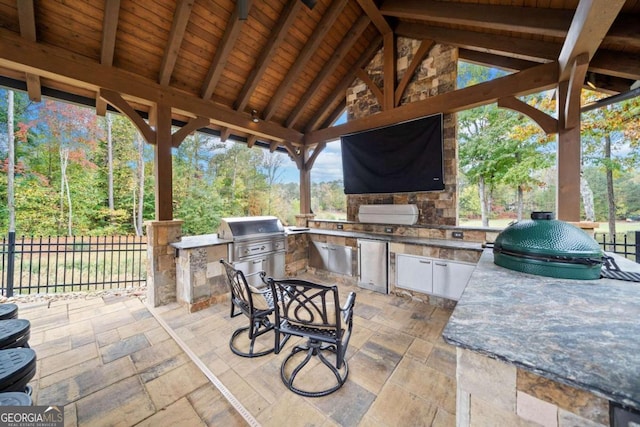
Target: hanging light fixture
{"points": [[254, 116], [243, 9], [310, 3]]}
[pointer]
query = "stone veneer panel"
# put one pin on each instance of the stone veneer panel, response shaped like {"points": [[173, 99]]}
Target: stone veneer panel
{"points": [[491, 392], [161, 266], [437, 74]]}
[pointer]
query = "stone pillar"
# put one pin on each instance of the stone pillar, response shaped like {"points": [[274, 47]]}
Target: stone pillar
{"points": [[161, 265], [303, 219]]}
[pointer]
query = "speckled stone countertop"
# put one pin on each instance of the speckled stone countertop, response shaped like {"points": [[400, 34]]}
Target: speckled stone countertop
{"points": [[442, 243], [190, 242], [584, 333]]}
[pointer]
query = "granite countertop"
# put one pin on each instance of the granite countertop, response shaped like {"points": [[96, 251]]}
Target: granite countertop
{"points": [[442, 243], [584, 333], [190, 242]]}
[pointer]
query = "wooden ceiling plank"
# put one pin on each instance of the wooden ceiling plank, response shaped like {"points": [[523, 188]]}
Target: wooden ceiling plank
{"points": [[531, 80], [372, 11], [280, 31], [109, 30], [338, 56], [178, 29], [423, 50], [549, 22], [625, 31], [389, 65], [59, 64], [222, 53], [339, 93], [589, 26], [527, 49], [617, 64], [373, 87], [27, 22], [496, 61], [324, 26]]}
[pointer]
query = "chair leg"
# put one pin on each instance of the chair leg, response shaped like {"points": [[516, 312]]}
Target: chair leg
{"points": [[257, 328], [314, 348]]}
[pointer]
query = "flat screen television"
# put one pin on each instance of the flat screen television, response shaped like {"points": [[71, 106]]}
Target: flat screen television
{"points": [[405, 157]]}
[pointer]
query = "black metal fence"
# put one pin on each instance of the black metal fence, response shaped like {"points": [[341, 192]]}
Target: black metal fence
{"points": [[66, 264], [627, 244]]}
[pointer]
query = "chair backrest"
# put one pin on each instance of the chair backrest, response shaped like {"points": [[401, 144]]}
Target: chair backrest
{"points": [[240, 291], [304, 304]]}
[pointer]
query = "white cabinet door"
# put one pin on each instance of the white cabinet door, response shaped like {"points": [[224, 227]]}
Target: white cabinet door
{"points": [[450, 278], [414, 272]]}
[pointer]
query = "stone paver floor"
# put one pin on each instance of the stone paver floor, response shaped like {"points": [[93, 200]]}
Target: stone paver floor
{"points": [[110, 362]]}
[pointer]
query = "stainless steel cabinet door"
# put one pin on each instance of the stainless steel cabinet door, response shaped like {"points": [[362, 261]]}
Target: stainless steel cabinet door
{"points": [[372, 265]]}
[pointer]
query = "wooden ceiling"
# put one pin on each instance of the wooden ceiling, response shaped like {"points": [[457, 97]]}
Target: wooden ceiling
{"points": [[289, 63]]}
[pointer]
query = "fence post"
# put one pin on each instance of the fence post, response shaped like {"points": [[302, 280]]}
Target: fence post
{"points": [[11, 258], [638, 247]]}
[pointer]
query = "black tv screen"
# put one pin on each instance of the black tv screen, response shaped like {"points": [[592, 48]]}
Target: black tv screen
{"points": [[405, 157]]}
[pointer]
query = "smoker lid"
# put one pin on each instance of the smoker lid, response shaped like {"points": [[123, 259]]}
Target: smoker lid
{"points": [[243, 227]]}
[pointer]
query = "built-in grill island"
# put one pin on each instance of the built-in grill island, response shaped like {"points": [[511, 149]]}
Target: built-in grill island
{"points": [[258, 244]]}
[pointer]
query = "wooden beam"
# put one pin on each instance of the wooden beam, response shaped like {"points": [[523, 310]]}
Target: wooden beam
{"points": [[372, 11], [531, 20], [172, 46], [373, 87], [338, 56], [527, 49], [280, 31], [27, 22], [251, 140], [528, 81], [339, 93], [625, 31], [494, 61], [617, 64], [223, 51], [316, 152], [109, 30], [389, 66], [295, 154], [163, 165], [324, 26], [546, 122], [119, 103], [576, 81], [423, 50], [58, 64], [192, 125], [590, 24], [273, 145], [225, 133]]}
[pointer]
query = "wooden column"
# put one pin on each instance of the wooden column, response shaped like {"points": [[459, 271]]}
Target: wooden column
{"points": [[568, 161], [305, 183], [162, 164]]}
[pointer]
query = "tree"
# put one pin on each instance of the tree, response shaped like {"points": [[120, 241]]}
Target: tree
{"points": [[11, 163]]}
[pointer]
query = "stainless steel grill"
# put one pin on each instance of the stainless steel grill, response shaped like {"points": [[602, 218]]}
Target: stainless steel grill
{"points": [[258, 245]]}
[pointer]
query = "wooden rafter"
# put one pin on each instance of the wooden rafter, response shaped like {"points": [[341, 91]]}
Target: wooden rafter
{"points": [[192, 125], [108, 45], [531, 80], [305, 55], [590, 24], [120, 104], [576, 81], [617, 64], [20, 54], [178, 28], [280, 31], [371, 10], [389, 64], [342, 50], [223, 51], [548, 22], [528, 49], [26, 16], [497, 61], [373, 87], [338, 95], [546, 122], [422, 52]]}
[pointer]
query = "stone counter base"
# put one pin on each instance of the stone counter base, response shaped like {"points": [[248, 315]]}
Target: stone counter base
{"points": [[491, 392]]}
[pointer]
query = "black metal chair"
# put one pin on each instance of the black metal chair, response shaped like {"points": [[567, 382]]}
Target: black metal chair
{"points": [[312, 311], [256, 304]]}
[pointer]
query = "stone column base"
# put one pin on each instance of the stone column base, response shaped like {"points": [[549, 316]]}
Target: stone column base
{"points": [[161, 265], [302, 219]]}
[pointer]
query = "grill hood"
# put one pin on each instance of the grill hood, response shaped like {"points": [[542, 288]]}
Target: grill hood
{"points": [[547, 247], [241, 228]]}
